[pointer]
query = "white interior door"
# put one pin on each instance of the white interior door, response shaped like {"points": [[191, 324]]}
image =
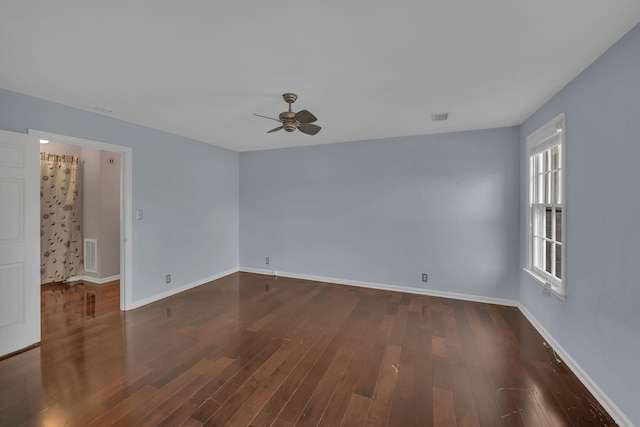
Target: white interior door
{"points": [[19, 241]]}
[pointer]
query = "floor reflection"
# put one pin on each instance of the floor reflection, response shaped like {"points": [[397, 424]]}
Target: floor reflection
{"points": [[231, 344], [66, 303], [74, 315]]}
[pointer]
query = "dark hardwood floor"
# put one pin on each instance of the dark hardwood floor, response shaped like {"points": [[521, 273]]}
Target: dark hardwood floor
{"points": [[252, 350]]}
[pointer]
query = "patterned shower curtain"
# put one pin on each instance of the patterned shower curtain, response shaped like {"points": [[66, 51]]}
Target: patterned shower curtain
{"points": [[60, 231]]}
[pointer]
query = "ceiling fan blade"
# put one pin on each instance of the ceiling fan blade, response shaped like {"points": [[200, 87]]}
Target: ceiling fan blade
{"points": [[309, 129], [305, 116], [265, 117], [276, 129]]}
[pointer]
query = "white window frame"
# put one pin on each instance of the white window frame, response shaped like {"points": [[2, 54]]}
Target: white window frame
{"points": [[551, 134]]}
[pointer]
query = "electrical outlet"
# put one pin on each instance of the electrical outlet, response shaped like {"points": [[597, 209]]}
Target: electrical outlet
{"points": [[167, 279], [424, 277], [266, 260]]}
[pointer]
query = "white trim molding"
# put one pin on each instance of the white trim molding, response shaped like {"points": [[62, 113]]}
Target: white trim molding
{"points": [[588, 382], [96, 280], [170, 292], [541, 281], [126, 202], [543, 195], [383, 286], [595, 390]]}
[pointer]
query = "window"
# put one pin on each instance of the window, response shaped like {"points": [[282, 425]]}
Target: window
{"points": [[546, 246]]}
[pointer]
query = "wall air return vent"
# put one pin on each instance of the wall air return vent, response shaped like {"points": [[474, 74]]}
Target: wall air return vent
{"points": [[90, 255], [439, 117]]}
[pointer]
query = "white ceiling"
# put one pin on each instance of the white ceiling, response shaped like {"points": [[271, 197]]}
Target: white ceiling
{"points": [[367, 69]]}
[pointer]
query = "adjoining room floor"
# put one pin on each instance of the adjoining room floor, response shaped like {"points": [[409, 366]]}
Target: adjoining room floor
{"points": [[256, 350]]}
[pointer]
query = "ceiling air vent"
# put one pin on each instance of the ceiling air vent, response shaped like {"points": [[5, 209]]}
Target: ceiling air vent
{"points": [[439, 117]]}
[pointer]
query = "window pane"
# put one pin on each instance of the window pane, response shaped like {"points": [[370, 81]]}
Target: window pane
{"points": [[546, 160], [538, 158], [559, 156], [537, 252], [559, 193], [537, 221], [555, 157], [547, 223], [545, 198], [547, 189], [559, 224], [540, 189]]}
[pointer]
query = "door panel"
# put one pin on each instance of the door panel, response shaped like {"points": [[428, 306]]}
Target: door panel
{"points": [[19, 242]]}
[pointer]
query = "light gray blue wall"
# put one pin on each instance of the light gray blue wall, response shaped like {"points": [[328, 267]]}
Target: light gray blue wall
{"points": [[187, 189], [599, 323], [385, 211]]}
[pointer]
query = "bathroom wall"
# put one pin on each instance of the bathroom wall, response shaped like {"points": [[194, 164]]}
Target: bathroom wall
{"points": [[99, 187]]}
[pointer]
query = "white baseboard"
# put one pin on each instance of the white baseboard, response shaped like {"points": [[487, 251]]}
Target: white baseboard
{"points": [[597, 392], [588, 382], [96, 280], [170, 292], [383, 286]]}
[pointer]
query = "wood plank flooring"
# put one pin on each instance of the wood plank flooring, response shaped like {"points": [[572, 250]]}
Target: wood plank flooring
{"points": [[253, 350]]}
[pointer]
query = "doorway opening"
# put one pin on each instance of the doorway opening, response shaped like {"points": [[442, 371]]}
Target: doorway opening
{"points": [[111, 230]]}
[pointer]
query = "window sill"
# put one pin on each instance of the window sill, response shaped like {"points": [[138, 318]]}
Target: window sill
{"points": [[543, 282]]}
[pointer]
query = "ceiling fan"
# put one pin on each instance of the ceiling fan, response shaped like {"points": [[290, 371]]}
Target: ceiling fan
{"points": [[302, 120]]}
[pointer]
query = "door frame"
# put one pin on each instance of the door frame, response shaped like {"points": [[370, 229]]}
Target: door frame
{"points": [[126, 201]]}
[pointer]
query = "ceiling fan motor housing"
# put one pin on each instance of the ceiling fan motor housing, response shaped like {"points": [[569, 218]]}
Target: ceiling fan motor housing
{"points": [[289, 123]]}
